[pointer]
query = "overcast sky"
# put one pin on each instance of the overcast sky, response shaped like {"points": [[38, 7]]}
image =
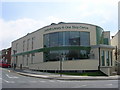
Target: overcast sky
{"points": [[19, 18]]}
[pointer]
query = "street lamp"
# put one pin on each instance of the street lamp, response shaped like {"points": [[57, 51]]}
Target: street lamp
{"points": [[62, 57]]}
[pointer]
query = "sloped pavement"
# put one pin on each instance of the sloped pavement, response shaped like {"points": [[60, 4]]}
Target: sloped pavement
{"points": [[44, 75]]}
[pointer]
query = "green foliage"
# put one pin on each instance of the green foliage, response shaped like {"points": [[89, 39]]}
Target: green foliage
{"points": [[97, 73]]}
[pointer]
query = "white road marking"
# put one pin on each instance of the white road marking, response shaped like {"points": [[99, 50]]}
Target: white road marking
{"points": [[11, 77], [51, 81], [42, 81], [109, 84], [8, 81], [62, 81], [83, 85]]}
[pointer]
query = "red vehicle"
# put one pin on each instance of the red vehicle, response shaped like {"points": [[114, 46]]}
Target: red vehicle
{"points": [[5, 65]]}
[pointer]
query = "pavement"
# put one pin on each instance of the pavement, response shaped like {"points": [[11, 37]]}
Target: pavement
{"points": [[45, 75]]}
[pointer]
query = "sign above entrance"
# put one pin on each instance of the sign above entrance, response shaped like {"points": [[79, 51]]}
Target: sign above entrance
{"points": [[66, 27]]}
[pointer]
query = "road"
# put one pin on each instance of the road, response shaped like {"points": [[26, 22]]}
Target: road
{"points": [[13, 80]]}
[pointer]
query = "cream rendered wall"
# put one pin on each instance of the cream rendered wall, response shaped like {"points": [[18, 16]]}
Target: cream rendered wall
{"points": [[67, 65], [114, 42], [106, 70], [95, 53], [119, 39], [107, 35], [38, 43], [119, 44]]}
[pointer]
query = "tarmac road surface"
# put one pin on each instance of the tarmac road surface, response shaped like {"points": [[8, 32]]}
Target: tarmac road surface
{"points": [[13, 80]]}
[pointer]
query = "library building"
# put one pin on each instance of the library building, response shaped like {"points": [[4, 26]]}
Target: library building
{"points": [[66, 47]]}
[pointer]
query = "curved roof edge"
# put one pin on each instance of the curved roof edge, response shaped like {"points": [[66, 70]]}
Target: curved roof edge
{"points": [[70, 23], [52, 24]]}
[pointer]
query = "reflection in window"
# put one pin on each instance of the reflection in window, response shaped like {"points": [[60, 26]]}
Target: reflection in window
{"points": [[46, 40], [69, 55], [85, 38], [53, 39], [67, 38], [84, 54], [74, 38], [60, 39]]}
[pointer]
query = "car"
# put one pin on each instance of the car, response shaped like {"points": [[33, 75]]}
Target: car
{"points": [[5, 65]]}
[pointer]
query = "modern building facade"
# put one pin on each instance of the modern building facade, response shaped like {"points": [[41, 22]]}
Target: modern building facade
{"points": [[115, 41], [80, 47]]}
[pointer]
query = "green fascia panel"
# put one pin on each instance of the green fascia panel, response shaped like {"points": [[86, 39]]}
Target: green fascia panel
{"points": [[66, 48], [106, 41], [99, 35], [53, 49]]}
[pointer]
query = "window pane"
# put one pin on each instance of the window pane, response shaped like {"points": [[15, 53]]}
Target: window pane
{"points": [[53, 39], [67, 36], [60, 38], [84, 38], [46, 40], [54, 56], [74, 38]]}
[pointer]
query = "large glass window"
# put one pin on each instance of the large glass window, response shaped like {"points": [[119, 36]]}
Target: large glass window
{"points": [[46, 40], [68, 55], [53, 39], [53, 56], [60, 39], [84, 38], [67, 38], [74, 38]]}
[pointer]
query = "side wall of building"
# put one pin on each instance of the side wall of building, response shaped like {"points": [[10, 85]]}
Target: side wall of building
{"points": [[25, 44]]}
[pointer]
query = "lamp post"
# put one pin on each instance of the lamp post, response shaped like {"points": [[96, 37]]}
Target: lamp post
{"points": [[62, 57]]}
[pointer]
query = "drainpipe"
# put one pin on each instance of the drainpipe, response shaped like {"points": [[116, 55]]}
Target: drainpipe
{"points": [[116, 53], [99, 58]]}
